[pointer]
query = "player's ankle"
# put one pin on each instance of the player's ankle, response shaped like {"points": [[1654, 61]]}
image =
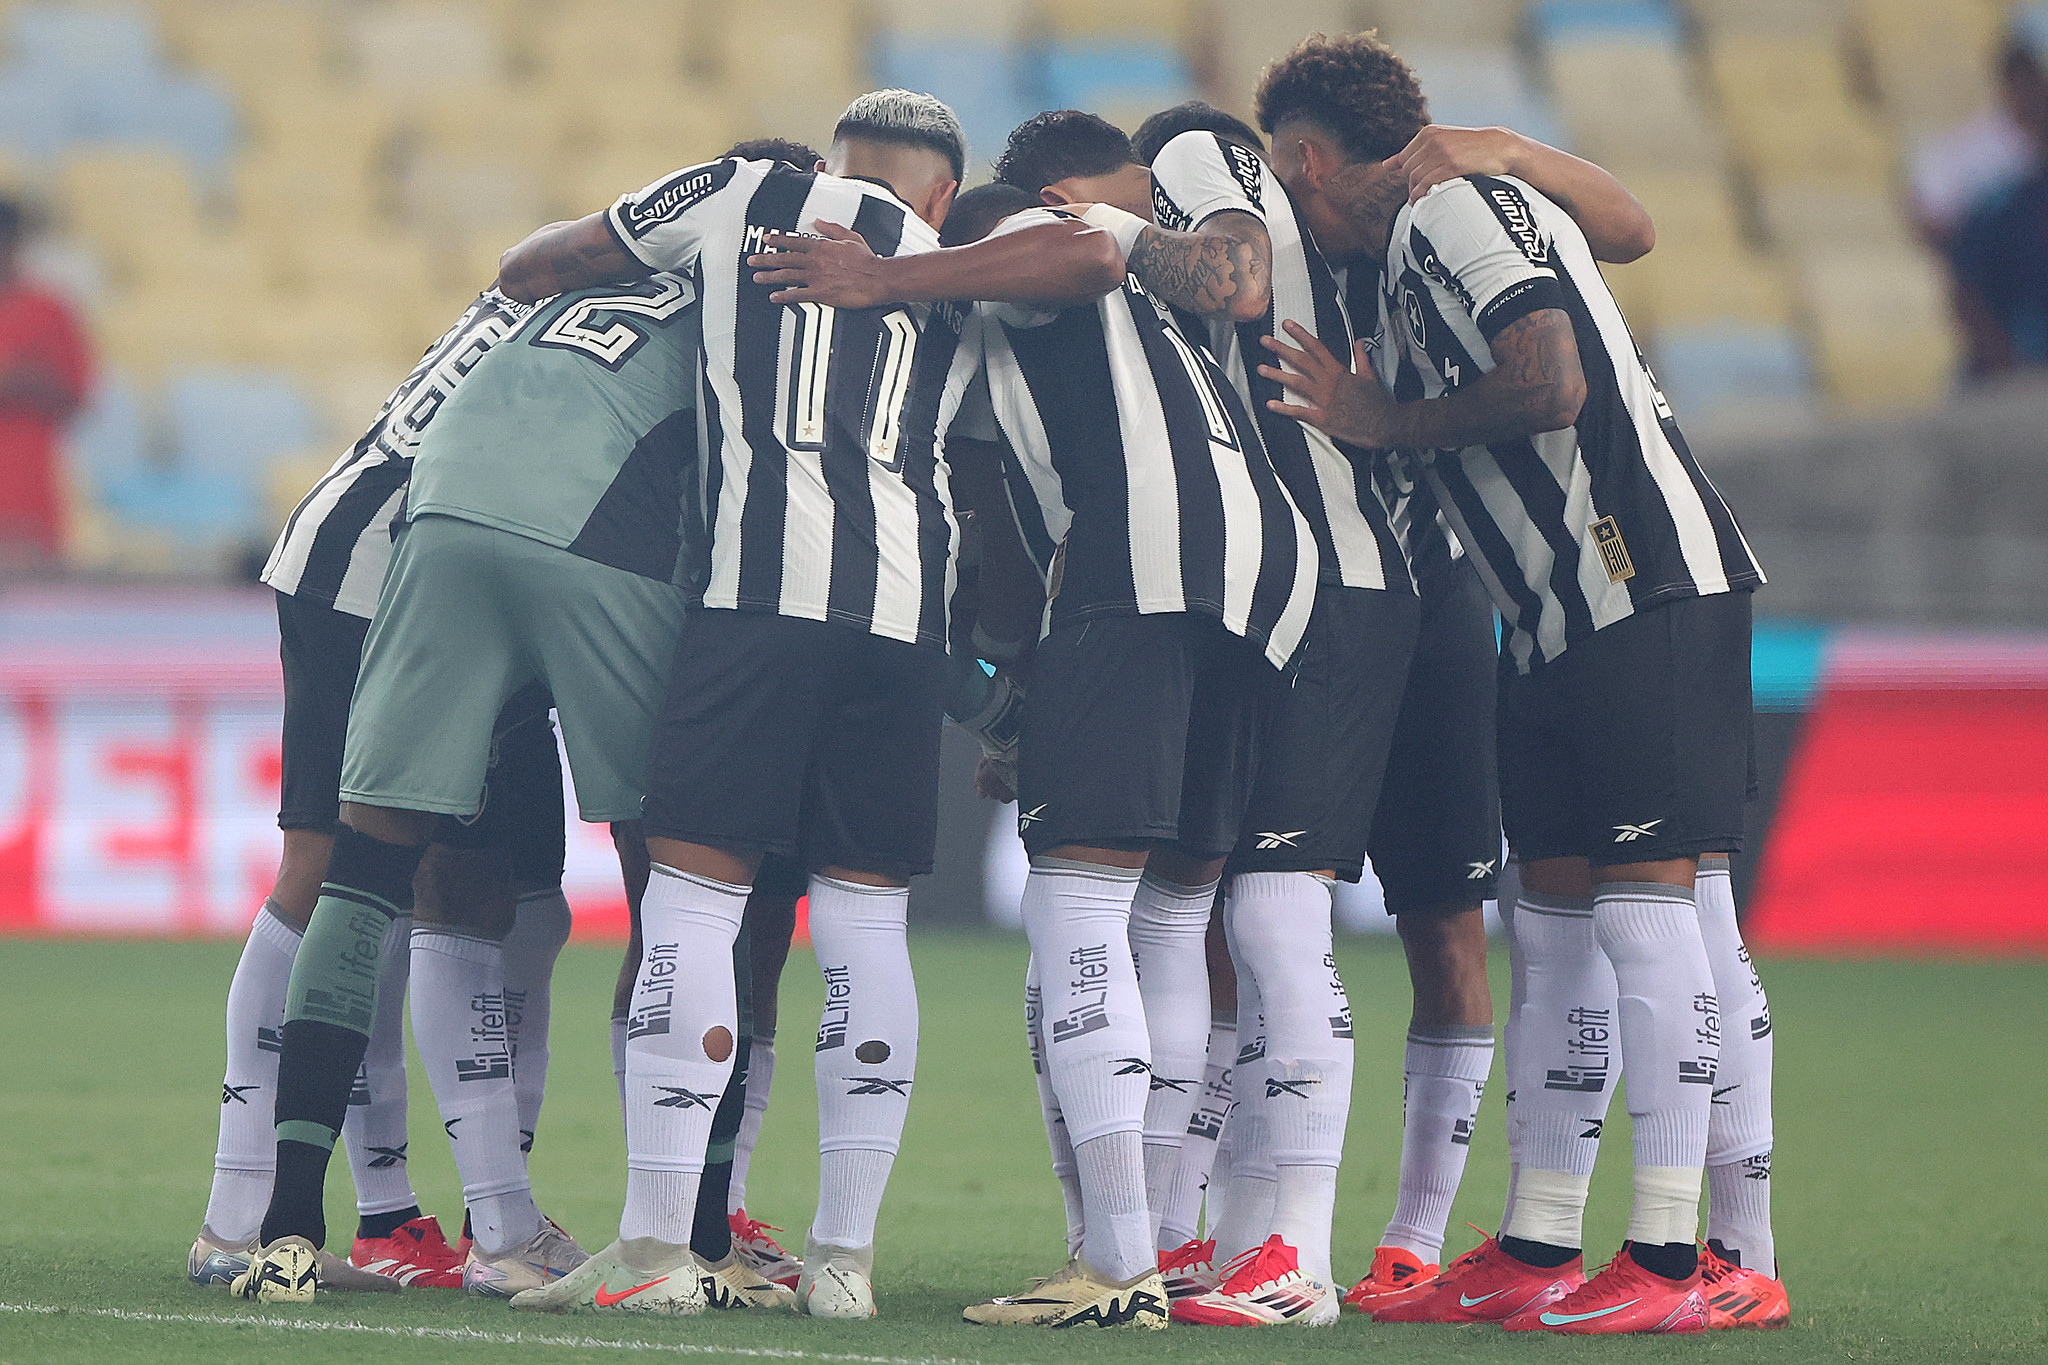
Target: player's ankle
{"points": [[372, 1226], [1672, 1260], [1541, 1255]]}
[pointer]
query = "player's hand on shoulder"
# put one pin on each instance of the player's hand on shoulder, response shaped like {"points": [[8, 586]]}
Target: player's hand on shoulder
{"points": [[995, 779], [836, 268], [1344, 400], [1440, 152]]}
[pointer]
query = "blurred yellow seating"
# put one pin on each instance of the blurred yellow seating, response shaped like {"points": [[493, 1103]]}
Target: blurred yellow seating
{"points": [[795, 84], [1801, 216], [253, 42], [621, 168], [1171, 20], [687, 123], [949, 18], [230, 260], [1787, 17], [405, 47], [1246, 37], [367, 264], [445, 201], [591, 44], [1880, 324], [327, 122], [1778, 73], [1932, 59], [149, 331], [288, 478], [1693, 211], [313, 330], [1677, 286], [114, 199], [500, 121], [1447, 21], [279, 196], [1844, 148], [1632, 103]]}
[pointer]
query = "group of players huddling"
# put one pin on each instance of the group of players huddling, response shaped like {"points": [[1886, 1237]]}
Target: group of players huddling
{"points": [[1187, 472]]}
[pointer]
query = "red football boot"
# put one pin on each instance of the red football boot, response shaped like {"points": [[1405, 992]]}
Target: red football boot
{"points": [[1486, 1285], [1625, 1297], [1397, 1274], [415, 1254], [1737, 1297]]}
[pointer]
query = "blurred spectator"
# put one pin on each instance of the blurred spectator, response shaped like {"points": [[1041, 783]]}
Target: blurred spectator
{"points": [[1999, 254], [44, 368]]}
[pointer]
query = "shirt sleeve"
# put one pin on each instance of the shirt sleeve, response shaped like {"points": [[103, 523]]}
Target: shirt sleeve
{"points": [[1199, 175], [662, 226], [1481, 237]]}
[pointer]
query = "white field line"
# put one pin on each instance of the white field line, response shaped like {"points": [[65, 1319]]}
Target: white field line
{"points": [[470, 1334]]}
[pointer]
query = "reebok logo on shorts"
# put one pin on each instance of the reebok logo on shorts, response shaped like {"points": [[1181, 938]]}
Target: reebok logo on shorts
{"points": [[1628, 834], [1026, 819], [1272, 839], [1480, 871]]}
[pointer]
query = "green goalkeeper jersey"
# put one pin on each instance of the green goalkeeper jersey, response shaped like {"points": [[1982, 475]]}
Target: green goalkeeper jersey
{"points": [[578, 430]]}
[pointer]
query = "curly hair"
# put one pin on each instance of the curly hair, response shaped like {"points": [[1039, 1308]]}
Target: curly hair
{"points": [[1059, 145], [1353, 86], [1191, 116]]}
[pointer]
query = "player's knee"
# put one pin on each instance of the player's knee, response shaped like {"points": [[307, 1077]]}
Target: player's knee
{"points": [[465, 888]]}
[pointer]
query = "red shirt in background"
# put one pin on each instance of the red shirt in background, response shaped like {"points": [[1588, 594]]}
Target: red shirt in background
{"points": [[37, 330]]}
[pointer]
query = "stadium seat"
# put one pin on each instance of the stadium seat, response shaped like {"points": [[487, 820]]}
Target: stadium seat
{"points": [[1712, 372], [1879, 319], [796, 85], [110, 438], [1788, 17], [278, 195], [199, 510], [1803, 216], [1435, 21], [1677, 287], [79, 40], [322, 122], [395, 43], [1629, 103], [1693, 210], [681, 125], [988, 19], [231, 261], [1930, 58], [1249, 36], [190, 114], [230, 421], [989, 81], [1482, 86], [145, 331], [254, 42], [445, 200], [100, 192], [612, 40], [37, 115], [1170, 21], [374, 264]]}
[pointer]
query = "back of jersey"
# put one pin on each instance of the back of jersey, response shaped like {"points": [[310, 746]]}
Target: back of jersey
{"points": [[577, 431], [1149, 490], [822, 501]]}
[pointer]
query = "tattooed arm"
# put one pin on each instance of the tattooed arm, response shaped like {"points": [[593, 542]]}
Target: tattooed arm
{"points": [[1224, 269], [1536, 385], [567, 255]]}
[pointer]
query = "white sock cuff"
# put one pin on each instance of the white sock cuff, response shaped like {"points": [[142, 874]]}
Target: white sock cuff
{"points": [[1109, 872], [461, 944], [858, 888], [1459, 1052], [1667, 1205], [1550, 1207], [1170, 904], [708, 883], [1565, 907], [273, 930]]}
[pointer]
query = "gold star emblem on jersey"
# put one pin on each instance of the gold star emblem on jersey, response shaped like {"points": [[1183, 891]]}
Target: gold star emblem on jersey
{"points": [[1613, 551]]}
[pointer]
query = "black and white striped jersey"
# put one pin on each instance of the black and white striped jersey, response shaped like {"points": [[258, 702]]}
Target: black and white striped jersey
{"points": [[1573, 530], [821, 499], [1138, 478], [1196, 176], [337, 542]]}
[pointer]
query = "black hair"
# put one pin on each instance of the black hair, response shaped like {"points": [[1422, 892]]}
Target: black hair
{"points": [[906, 118], [1060, 145], [1192, 116], [1354, 87], [976, 212], [775, 149]]}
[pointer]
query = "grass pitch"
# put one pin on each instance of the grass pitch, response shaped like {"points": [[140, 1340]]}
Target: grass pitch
{"points": [[1912, 1177]]}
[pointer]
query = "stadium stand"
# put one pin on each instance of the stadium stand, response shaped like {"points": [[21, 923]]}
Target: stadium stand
{"points": [[315, 187]]}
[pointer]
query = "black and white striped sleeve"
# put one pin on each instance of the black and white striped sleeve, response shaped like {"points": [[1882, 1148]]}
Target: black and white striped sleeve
{"points": [[1480, 239], [1199, 175], [663, 225]]}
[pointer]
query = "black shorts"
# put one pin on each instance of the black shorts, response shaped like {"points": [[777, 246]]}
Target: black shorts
{"points": [[1324, 748], [1436, 835], [804, 739], [321, 649], [524, 811], [1633, 746], [1138, 730]]}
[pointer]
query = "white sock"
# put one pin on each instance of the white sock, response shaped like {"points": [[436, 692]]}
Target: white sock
{"points": [[373, 1129], [1282, 922], [680, 1036], [1062, 1147], [1097, 1052], [1246, 1215], [760, 1082], [618, 1037], [1550, 1207], [1443, 1079], [1180, 1216], [1739, 1132], [458, 1024], [867, 1051], [1567, 1056], [1168, 926], [246, 1159], [1671, 1036], [1119, 1238], [539, 929], [1510, 890]]}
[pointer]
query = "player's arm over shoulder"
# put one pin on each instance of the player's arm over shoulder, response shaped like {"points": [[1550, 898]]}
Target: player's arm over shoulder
{"points": [[1208, 250], [656, 228]]}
